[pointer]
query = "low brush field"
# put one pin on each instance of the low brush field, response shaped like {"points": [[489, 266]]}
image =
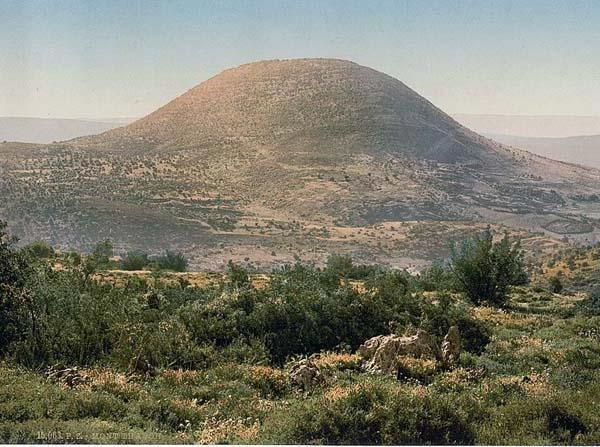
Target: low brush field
{"points": [[121, 357]]}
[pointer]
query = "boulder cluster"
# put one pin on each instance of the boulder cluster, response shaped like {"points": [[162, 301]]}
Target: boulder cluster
{"points": [[68, 377], [305, 374], [383, 353]]}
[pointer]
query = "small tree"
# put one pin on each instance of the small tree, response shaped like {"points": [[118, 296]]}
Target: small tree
{"points": [[173, 261], [17, 315], [135, 260], [237, 275], [102, 253], [485, 270], [98, 259], [591, 305], [436, 277], [556, 285], [341, 266], [40, 250]]}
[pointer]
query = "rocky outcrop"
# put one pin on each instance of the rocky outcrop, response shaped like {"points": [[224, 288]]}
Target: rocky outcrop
{"points": [[305, 374], [451, 347], [381, 353], [68, 377]]}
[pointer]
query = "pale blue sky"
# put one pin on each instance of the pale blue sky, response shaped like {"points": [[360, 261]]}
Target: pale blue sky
{"points": [[79, 59]]}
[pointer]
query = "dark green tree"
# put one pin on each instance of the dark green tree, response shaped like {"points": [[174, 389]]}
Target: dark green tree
{"points": [[341, 266], [173, 261], [237, 275], [556, 285], [102, 253], [40, 250], [17, 314], [485, 270], [135, 260], [98, 259]]}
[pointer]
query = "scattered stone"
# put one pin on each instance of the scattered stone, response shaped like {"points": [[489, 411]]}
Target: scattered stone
{"points": [[305, 374], [70, 377], [139, 364], [381, 353], [451, 347]]}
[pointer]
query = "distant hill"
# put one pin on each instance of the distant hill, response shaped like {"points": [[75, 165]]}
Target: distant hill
{"points": [[302, 105], [536, 126], [278, 160], [583, 150], [48, 130]]}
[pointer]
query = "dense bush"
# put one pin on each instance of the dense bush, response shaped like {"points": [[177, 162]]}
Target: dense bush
{"points": [[102, 253], [135, 260], [78, 322], [591, 305], [302, 310], [238, 276], [209, 364], [437, 318], [172, 261], [437, 277], [556, 285], [17, 314], [485, 269], [39, 249], [372, 413], [343, 267]]}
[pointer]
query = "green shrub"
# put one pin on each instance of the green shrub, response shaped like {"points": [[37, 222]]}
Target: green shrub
{"points": [[556, 285], [135, 260], [437, 277], [102, 253], [440, 313], [339, 266], [39, 250], [237, 276], [485, 269], [301, 311], [372, 413], [17, 312], [591, 305], [541, 419], [172, 261], [564, 425], [76, 321]]}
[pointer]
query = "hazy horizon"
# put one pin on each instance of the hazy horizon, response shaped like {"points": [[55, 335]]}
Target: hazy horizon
{"points": [[47, 130], [128, 58]]}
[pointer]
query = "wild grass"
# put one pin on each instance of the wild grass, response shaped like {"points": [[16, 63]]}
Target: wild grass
{"points": [[178, 363]]}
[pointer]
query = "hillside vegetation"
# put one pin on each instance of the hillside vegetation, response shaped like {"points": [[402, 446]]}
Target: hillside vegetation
{"points": [[154, 358], [298, 158]]}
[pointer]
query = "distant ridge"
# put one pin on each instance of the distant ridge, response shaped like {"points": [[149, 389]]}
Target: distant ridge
{"points": [[48, 130], [536, 126], [584, 150]]}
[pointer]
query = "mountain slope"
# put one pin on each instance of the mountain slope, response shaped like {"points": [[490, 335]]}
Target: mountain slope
{"points": [[291, 158], [297, 104]]}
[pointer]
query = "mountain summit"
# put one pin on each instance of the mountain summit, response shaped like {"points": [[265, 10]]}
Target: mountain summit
{"points": [[306, 104], [279, 159]]}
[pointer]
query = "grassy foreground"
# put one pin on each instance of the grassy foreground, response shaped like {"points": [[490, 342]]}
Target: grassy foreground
{"points": [[538, 382], [168, 362]]}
